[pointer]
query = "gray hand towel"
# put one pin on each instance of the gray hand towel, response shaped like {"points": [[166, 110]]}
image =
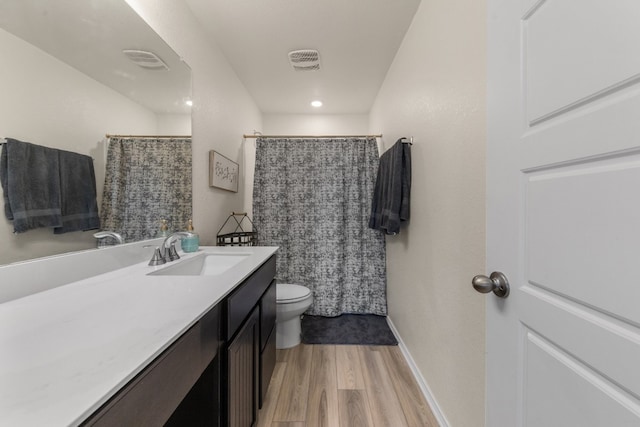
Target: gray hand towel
{"points": [[31, 185], [391, 195], [78, 193], [4, 178]]}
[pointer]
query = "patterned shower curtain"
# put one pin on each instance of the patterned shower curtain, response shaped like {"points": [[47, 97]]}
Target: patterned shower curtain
{"points": [[312, 197], [147, 180]]}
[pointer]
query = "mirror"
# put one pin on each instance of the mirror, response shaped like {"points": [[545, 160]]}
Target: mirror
{"points": [[66, 83]]}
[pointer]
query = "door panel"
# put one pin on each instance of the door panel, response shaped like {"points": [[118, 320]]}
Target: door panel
{"points": [[565, 45], [563, 216], [578, 221], [601, 342], [552, 374]]}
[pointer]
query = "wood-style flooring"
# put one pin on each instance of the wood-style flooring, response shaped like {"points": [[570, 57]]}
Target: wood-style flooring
{"points": [[343, 386]]}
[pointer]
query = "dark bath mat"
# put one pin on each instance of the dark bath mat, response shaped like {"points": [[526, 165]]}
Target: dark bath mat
{"points": [[356, 329]]}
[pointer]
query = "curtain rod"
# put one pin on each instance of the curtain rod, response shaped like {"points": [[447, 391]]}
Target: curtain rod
{"points": [[4, 141], [149, 136], [312, 136]]}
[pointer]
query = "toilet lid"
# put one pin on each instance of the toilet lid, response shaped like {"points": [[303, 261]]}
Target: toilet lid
{"points": [[291, 293]]}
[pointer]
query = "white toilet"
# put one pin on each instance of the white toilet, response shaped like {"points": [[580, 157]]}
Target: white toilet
{"points": [[292, 301]]}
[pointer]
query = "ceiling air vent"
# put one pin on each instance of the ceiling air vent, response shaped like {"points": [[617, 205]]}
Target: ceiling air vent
{"points": [[304, 60], [146, 60]]}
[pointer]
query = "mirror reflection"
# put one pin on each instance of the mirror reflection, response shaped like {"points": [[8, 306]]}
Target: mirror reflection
{"points": [[66, 83]]}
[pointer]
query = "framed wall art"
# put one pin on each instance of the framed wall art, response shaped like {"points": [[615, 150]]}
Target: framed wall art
{"points": [[223, 172]]}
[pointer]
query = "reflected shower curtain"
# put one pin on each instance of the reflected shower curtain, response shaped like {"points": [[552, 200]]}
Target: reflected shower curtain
{"points": [[312, 197], [147, 180]]}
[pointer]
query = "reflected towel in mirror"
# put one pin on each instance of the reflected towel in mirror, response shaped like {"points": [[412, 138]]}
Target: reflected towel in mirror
{"points": [[77, 193], [31, 185]]}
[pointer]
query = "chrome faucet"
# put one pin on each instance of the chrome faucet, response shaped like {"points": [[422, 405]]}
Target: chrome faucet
{"points": [[104, 234], [167, 251]]}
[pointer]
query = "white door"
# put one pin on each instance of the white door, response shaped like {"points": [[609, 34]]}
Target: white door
{"points": [[563, 200]]}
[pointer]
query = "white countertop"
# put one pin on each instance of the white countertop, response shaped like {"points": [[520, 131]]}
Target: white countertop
{"points": [[64, 352]]}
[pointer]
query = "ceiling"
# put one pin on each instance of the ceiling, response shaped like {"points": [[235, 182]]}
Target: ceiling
{"points": [[357, 41], [90, 36]]}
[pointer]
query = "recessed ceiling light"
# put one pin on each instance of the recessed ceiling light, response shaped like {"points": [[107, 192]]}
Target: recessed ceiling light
{"points": [[316, 104], [189, 102]]}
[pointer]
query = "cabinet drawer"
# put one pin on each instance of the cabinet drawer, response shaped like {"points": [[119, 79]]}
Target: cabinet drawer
{"points": [[244, 299], [268, 306], [153, 395]]}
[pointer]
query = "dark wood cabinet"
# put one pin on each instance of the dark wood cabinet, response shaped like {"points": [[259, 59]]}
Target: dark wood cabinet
{"points": [[249, 354], [201, 407], [215, 374], [241, 389], [268, 307], [159, 391], [241, 302]]}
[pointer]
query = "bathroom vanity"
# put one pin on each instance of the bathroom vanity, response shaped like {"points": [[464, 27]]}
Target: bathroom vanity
{"points": [[175, 345]]}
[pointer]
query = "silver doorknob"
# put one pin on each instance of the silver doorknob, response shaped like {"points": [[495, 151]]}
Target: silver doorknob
{"points": [[497, 283]]}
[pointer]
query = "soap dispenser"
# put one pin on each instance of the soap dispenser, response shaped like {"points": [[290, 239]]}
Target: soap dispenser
{"points": [[164, 229], [192, 242]]}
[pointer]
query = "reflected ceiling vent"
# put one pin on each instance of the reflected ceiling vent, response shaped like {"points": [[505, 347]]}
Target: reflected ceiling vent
{"points": [[146, 60], [304, 60]]}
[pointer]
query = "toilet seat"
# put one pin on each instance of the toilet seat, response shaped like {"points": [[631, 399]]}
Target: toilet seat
{"points": [[288, 293]]}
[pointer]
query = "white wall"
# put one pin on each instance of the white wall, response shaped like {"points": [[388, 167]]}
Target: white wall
{"points": [[315, 124], [46, 102], [435, 91], [174, 124]]}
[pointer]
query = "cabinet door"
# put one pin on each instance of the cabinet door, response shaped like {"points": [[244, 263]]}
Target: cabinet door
{"points": [[267, 365], [268, 309], [242, 374]]}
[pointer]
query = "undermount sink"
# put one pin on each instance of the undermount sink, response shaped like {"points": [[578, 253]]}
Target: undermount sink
{"points": [[205, 264]]}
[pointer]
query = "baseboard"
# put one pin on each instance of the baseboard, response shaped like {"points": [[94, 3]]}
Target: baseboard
{"points": [[426, 391]]}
